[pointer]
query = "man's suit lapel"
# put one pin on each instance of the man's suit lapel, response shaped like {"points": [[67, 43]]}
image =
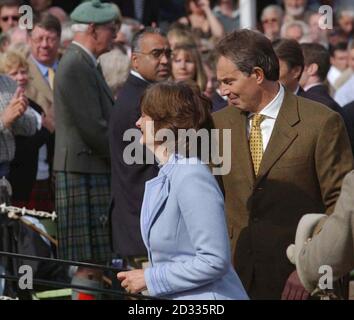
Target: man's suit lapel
{"points": [[39, 82], [240, 146], [156, 194], [99, 74], [282, 136], [104, 83]]}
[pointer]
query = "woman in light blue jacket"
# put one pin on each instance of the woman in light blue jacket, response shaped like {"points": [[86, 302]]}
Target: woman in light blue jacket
{"points": [[182, 218]]}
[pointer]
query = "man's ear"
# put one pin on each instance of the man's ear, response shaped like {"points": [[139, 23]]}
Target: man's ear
{"points": [[91, 30], [312, 69], [134, 61], [259, 74], [296, 71]]}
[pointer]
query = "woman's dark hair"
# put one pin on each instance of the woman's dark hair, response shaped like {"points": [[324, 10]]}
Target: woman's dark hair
{"points": [[177, 106]]}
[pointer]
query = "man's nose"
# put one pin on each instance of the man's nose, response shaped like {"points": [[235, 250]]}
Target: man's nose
{"points": [[164, 59], [44, 43], [224, 91]]}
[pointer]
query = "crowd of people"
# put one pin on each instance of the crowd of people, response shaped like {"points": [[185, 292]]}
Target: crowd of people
{"points": [[75, 84]]}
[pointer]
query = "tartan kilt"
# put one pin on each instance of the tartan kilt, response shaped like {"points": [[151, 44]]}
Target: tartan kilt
{"points": [[82, 205]]}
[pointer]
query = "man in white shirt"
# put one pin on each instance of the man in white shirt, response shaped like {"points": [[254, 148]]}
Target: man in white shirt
{"points": [[151, 62], [339, 62], [289, 156], [345, 93]]}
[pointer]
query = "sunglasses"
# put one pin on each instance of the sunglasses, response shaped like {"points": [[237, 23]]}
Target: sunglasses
{"points": [[6, 18], [157, 53]]}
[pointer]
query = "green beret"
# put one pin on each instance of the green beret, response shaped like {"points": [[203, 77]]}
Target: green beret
{"points": [[95, 11]]}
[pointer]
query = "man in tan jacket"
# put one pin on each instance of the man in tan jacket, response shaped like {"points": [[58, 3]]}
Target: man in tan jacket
{"points": [[289, 157]]}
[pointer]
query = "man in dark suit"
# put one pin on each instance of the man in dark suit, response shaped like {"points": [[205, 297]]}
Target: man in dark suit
{"points": [[289, 156], [317, 64], [291, 64], [83, 104], [150, 63], [348, 115]]}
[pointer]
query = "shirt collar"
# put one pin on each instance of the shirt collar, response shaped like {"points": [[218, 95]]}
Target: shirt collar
{"points": [[272, 109], [93, 58], [43, 68], [312, 85], [138, 75]]}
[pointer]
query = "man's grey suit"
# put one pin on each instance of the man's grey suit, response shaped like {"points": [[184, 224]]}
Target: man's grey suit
{"points": [[83, 103]]}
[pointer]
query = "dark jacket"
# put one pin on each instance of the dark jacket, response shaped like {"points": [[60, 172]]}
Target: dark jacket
{"points": [[348, 115], [23, 168], [150, 13], [320, 94], [128, 181], [218, 102]]}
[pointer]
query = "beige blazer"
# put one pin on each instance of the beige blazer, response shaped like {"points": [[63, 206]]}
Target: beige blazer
{"points": [[334, 245], [38, 89]]}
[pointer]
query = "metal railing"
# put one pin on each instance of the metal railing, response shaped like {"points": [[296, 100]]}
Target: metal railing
{"points": [[58, 284]]}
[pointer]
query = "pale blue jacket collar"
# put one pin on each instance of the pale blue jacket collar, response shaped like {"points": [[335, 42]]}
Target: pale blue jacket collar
{"points": [[155, 195]]}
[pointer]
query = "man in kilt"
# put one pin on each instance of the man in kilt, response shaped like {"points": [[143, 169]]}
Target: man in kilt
{"points": [[83, 104]]}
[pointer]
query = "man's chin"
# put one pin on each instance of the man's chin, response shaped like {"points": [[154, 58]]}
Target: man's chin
{"points": [[162, 77]]}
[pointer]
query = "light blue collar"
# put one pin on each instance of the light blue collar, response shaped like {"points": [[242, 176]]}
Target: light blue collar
{"points": [[43, 68]]}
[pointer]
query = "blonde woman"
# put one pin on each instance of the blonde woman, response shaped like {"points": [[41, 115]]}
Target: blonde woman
{"points": [[187, 65], [28, 164]]}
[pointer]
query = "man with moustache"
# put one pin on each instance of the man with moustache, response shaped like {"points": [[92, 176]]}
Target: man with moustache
{"points": [[289, 157], [150, 62]]}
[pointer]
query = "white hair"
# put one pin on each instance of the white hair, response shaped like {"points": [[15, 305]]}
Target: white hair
{"points": [[79, 27], [273, 8], [67, 34], [115, 66], [298, 23], [345, 12]]}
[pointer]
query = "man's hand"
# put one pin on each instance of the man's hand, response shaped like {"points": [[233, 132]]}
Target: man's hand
{"points": [[48, 122], [293, 289], [132, 281], [204, 5], [15, 109]]}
